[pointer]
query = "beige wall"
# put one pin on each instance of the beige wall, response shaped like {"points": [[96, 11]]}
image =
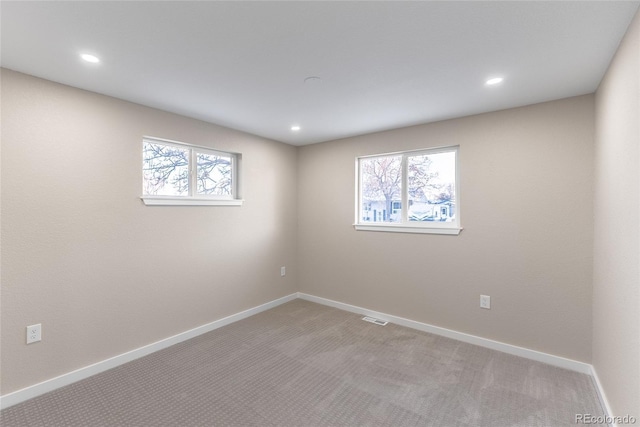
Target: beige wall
{"points": [[103, 273], [616, 294], [526, 184]]}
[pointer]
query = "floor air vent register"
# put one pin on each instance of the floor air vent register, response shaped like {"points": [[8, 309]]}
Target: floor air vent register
{"points": [[374, 320]]}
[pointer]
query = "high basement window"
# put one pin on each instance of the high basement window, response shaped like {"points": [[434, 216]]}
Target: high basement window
{"points": [[174, 173]]}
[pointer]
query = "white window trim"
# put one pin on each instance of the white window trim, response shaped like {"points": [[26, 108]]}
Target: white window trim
{"points": [[408, 229], [189, 201], [193, 199], [450, 228]]}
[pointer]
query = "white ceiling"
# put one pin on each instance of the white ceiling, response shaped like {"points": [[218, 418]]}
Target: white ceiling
{"points": [[382, 65]]}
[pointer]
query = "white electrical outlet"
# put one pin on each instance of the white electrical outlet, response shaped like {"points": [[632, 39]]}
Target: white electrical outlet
{"points": [[485, 302], [34, 333], [283, 271]]}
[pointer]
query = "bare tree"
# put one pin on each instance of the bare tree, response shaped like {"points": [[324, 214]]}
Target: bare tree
{"points": [[168, 166], [214, 174], [447, 193], [165, 164], [420, 178], [382, 179]]}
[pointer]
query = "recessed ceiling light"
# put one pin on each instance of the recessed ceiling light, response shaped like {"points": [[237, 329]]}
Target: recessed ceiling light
{"points": [[494, 81], [295, 128], [90, 58]]}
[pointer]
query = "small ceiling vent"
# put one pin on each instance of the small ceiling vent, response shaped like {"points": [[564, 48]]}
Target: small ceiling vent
{"points": [[374, 320]]}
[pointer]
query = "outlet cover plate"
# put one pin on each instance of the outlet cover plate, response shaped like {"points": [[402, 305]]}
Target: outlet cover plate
{"points": [[485, 302], [34, 333]]}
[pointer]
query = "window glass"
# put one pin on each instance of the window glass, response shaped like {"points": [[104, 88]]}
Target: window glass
{"points": [[431, 187], [215, 175], [165, 170], [381, 181]]}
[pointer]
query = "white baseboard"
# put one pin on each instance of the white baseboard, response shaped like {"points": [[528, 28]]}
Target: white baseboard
{"points": [[87, 371], [603, 398], [549, 359], [27, 393]]}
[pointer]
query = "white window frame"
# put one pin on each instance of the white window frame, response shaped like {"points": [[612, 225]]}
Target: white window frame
{"points": [[192, 198], [405, 226]]}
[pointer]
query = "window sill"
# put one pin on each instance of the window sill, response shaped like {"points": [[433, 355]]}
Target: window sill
{"points": [[189, 201], [408, 229]]}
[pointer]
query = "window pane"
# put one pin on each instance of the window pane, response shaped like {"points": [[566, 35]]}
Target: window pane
{"points": [[214, 174], [165, 170], [381, 189], [431, 187]]}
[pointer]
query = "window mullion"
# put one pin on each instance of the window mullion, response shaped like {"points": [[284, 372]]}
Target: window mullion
{"points": [[405, 190], [192, 172], [234, 177]]}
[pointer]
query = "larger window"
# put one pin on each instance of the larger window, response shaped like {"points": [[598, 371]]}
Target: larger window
{"points": [[177, 173], [415, 191]]}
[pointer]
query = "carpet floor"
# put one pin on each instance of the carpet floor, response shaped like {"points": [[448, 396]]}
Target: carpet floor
{"points": [[304, 364]]}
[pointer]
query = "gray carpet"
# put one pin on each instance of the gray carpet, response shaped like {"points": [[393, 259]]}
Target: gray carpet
{"points": [[304, 364]]}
